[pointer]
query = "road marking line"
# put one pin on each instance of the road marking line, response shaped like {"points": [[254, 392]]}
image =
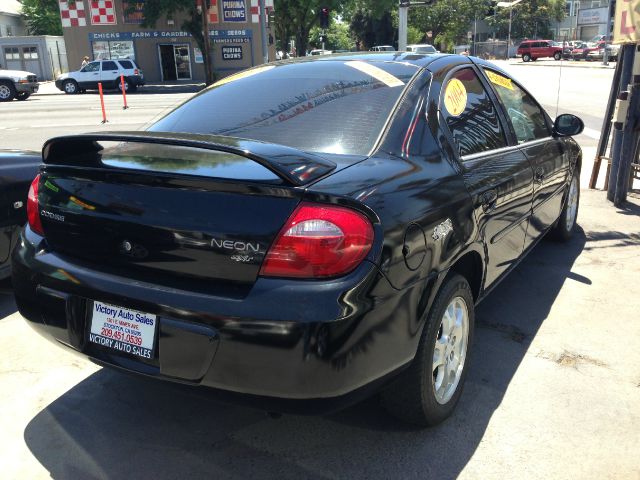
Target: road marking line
{"points": [[591, 133]]}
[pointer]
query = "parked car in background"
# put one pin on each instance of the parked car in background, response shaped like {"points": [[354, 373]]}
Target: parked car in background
{"points": [[581, 50], [382, 48], [319, 51], [421, 48], [597, 53], [17, 84], [17, 171], [306, 248], [531, 50], [107, 72]]}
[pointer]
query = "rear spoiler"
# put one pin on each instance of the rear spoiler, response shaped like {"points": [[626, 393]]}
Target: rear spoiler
{"points": [[294, 166]]}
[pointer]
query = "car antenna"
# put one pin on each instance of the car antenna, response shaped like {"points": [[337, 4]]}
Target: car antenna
{"points": [[560, 74]]}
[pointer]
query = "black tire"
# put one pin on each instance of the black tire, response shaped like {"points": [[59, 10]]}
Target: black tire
{"points": [[23, 95], [129, 86], [557, 56], [412, 396], [7, 91], [70, 87], [526, 57], [566, 223]]}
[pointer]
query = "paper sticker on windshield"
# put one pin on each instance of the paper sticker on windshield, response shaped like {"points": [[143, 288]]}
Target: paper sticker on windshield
{"points": [[245, 74], [377, 73], [455, 97], [499, 80]]}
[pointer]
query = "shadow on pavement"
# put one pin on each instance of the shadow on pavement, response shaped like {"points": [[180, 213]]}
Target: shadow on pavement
{"points": [[113, 425], [7, 305]]}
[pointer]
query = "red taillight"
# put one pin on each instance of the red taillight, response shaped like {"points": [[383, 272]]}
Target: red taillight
{"points": [[136, 72], [319, 241], [33, 212]]}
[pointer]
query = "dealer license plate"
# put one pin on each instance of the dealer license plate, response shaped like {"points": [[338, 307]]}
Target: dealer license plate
{"points": [[123, 329]]}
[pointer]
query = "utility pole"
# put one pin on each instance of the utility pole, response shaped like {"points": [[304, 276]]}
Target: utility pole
{"points": [[208, 56], [263, 31], [510, 5], [403, 14]]}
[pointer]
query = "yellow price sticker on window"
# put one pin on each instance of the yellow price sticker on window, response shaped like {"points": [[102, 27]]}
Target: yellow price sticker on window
{"points": [[455, 97], [245, 74], [377, 73], [499, 80]]}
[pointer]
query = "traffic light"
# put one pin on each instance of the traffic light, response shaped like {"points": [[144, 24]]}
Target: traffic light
{"points": [[324, 17]]}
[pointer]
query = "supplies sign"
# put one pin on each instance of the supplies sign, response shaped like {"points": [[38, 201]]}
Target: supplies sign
{"points": [[499, 80], [455, 97]]}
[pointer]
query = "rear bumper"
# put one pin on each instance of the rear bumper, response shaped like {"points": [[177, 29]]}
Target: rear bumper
{"points": [[321, 344]]}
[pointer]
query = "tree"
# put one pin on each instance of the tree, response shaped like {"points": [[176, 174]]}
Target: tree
{"points": [[372, 21], [193, 24], [337, 34], [448, 20], [530, 19], [297, 17], [42, 17]]}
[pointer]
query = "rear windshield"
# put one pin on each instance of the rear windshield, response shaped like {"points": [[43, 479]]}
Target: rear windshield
{"points": [[333, 106]]}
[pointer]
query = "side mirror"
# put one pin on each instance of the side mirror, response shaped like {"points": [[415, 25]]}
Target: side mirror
{"points": [[567, 125]]}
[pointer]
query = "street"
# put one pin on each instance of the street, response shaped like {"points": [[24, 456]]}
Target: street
{"points": [[553, 389]]}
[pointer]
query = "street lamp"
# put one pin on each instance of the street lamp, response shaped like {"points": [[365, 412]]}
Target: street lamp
{"points": [[510, 5]]}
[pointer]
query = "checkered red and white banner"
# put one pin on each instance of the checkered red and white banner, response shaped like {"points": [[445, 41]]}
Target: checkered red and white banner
{"points": [[213, 10], [255, 9], [72, 13], [102, 12]]}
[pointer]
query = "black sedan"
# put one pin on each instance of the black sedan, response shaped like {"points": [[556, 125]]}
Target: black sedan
{"points": [[17, 171], [304, 233]]}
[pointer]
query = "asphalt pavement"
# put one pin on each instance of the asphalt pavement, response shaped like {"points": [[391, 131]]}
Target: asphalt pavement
{"points": [[552, 393]]}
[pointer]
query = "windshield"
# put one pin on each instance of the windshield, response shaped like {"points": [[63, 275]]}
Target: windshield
{"points": [[334, 106]]}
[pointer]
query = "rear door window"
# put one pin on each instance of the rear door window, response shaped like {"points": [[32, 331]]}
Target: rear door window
{"points": [[109, 66], [526, 116], [470, 114]]}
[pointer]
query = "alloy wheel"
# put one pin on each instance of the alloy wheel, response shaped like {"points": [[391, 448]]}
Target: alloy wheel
{"points": [[450, 350], [5, 92], [572, 203]]}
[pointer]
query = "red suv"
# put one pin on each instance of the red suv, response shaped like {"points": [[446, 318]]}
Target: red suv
{"points": [[535, 49]]}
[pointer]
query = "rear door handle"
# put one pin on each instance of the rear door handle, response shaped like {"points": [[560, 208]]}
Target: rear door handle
{"points": [[488, 200], [538, 176]]}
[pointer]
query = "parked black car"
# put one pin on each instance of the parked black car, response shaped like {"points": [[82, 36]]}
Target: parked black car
{"points": [[304, 247], [17, 171]]}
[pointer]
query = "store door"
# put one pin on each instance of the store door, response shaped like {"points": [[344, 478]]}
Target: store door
{"points": [[175, 62]]}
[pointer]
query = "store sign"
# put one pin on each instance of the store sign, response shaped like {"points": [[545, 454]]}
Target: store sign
{"points": [[234, 11], [133, 12], [626, 27], [232, 53], [136, 35], [231, 36], [590, 16]]}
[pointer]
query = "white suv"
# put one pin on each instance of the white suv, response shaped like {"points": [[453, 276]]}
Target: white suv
{"points": [[106, 72]]}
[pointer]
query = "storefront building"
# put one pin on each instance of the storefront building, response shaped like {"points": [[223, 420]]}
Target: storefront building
{"points": [[102, 29]]}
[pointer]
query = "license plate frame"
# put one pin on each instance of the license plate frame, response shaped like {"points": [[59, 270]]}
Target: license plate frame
{"points": [[123, 330]]}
